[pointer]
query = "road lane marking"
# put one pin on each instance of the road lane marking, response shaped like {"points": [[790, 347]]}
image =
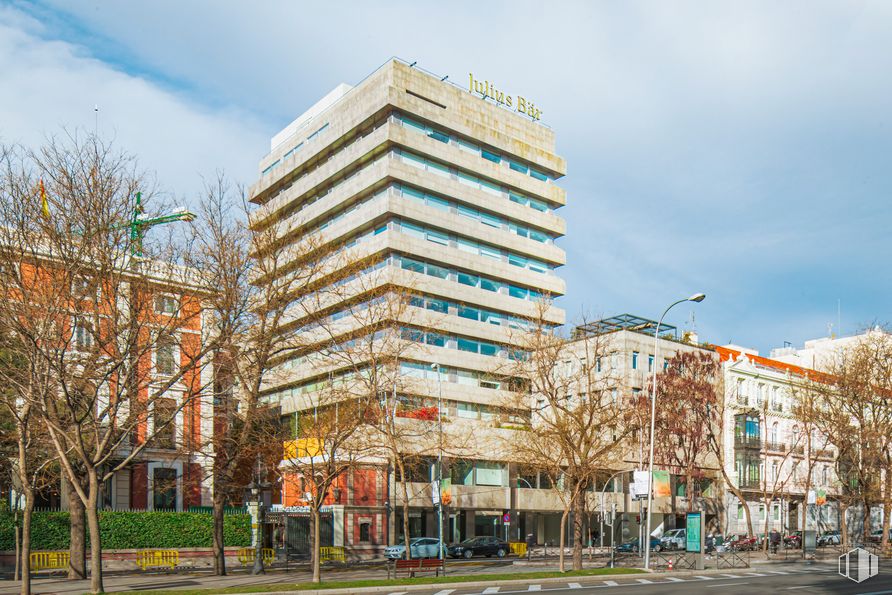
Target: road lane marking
{"points": [[444, 592], [398, 593], [732, 575], [611, 583], [799, 587], [727, 584], [644, 581], [535, 588], [574, 585], [753, 574], [705, 578], [674, 579], [490, 590]]}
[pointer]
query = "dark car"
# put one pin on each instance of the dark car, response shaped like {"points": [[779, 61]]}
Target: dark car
{"points": [[632, 546], [479, 546]]}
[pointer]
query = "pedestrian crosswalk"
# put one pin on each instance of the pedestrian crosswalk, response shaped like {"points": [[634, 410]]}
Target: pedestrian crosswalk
{"points": [[654, 579]]}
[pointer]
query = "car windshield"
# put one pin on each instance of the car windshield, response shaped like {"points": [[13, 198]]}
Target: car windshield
{"points": [[470, 541]]}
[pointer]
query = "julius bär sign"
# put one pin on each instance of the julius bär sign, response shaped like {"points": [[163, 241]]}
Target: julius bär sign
{"points": [[487, 89]]}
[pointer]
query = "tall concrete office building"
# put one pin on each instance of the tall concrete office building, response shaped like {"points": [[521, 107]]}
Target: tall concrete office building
{"points": [[453, 189]]}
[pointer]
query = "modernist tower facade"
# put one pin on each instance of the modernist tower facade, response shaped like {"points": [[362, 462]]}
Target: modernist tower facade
{"points": [[455, 195]]}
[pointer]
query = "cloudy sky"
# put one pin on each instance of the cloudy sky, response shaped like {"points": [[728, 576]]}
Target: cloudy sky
{"points": [[742, 149]]}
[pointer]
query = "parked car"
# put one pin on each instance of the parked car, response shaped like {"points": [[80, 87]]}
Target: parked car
{"points": [[420, 547], [829, 538], [877, 536], [742, 543], [632, 545], [479, 546], [674, 539]]}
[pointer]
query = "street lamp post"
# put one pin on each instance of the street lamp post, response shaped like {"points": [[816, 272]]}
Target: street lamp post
{"points": [[697, 297], [439, 459]]}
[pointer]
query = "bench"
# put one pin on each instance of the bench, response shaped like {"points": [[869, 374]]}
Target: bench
{"points": [[246, 555], [410, 567], [146, 559], [49, 560]]}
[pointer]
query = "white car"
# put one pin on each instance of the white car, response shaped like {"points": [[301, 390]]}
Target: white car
{"points": [[421, 547], [674, 539]]}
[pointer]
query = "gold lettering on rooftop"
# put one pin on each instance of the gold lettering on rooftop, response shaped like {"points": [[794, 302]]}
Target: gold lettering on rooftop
{"points": [[488, 90]]}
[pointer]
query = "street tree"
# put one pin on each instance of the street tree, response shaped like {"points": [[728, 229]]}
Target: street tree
{"points": [[112, 321], [580, 417]]}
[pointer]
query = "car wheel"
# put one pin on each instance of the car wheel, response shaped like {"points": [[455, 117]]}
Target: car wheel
{"points": [[657, 547], [634, 549], [468, 554], [501, 553]]}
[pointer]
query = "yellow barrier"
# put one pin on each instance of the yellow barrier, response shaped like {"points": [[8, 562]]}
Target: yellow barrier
{"points": [[518, 548], [329, 554], [246, 555], [157, 558], [49, 560]]}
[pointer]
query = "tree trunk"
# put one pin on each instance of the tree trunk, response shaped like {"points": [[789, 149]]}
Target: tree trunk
{"points": [[689, 488], [578, 520], [739, 495], [562, 540], [18, 549], [96, 585], [887, 511], [405, 489], [843, 525], [26, 542], [317, 575], [77, 568], [219, 551], [865, 525]]}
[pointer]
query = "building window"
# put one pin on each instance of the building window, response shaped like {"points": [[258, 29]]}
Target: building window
{"points": [[166, 304], [164, 423], [775, 512], [83, 335], [164, 489], [634, 360], [365, 532], [166, 357], [741, 515], [650, 363]]}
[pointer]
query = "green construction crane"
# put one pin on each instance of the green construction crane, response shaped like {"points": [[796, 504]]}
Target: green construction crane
{"points": [[140, 224]]}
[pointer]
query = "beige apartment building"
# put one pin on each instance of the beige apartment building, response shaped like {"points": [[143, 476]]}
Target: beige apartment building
{"points": [[452, 197]]}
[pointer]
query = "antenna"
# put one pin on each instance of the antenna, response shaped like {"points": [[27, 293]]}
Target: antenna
{"points": [[96, 112], [444, 78]]}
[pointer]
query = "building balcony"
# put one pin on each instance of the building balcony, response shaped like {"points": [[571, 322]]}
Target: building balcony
{"points": [[747, 441], [773, 446]]}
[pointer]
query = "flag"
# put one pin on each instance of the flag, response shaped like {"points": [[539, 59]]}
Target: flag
{"points": [[44, 203]]}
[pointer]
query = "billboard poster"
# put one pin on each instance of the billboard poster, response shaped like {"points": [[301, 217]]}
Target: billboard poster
{"points": [[661, 484], [693, 533]]}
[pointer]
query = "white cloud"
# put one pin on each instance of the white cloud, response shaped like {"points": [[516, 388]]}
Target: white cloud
{"points": [[50, 85]]}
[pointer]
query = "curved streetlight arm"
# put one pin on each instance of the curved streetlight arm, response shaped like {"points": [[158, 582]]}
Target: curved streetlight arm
{"points": [[697, 297]]}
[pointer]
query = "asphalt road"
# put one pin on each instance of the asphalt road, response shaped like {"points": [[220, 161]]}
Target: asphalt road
{"points": [[793, 579], [776, 579]]}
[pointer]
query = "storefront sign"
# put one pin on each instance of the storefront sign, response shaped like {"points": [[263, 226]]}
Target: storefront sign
{"points": [[487, 89]]}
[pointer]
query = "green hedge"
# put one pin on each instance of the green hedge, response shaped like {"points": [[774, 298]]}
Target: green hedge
{"points": [[132, 530]]}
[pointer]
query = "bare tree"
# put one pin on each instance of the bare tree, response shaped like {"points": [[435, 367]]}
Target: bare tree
{"points": [[686, 404], [114, 323], [579, 424], [849, 403]]}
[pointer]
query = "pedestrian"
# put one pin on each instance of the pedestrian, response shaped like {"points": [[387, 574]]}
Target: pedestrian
{"points": [[774, 538]]}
